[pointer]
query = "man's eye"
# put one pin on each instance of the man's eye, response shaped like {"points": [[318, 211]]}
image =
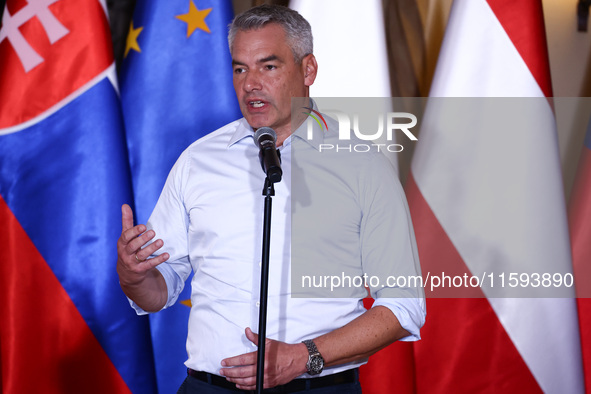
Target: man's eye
{"points": [[270, 67], [238, 70]]}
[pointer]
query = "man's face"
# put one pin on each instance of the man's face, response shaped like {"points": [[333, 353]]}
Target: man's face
{"points": [[266, 77]]}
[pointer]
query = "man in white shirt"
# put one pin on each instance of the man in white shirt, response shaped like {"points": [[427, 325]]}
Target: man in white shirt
{"points": [[209, 219]]}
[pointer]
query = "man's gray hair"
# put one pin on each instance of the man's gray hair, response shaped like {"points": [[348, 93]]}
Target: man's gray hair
{"points": [[297, 29]]}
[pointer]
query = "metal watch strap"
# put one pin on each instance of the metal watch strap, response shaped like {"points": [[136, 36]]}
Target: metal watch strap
{"points": [[312, 349], [315, 363]]}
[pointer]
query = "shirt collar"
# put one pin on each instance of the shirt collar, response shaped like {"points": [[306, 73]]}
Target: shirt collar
{"points": [[244, 130], [316, 137]]}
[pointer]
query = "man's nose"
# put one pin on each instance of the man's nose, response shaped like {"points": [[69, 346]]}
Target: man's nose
{"points": [[252, 81]]}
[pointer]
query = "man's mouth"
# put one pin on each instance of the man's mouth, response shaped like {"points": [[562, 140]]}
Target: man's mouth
{"points": [[256, 103]]}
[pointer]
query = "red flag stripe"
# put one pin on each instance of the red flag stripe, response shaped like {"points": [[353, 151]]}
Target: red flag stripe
{"points": [[463, 371], [580, 230], [528, 35], [29, 94], [378, 376], [73, 360], [579, 214]]}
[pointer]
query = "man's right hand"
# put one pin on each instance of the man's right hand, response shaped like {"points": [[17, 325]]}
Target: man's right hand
{"points": [[136, 271]]}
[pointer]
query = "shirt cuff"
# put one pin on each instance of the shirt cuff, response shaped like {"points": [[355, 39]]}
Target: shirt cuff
{"points": [[174, 286], [410, 313]]}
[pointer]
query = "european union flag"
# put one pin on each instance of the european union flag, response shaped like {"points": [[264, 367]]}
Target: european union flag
{"points": [[176, 86]]}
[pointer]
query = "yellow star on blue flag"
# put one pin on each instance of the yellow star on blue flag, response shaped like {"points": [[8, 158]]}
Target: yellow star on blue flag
{"points": [[195, 19], [131, 42]]}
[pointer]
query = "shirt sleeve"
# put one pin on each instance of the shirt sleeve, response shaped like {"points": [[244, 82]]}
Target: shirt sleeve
{"points": [[170, 222], [388, 247]]}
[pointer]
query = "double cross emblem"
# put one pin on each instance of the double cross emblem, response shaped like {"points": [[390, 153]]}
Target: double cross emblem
{"points": [[11, 24]]}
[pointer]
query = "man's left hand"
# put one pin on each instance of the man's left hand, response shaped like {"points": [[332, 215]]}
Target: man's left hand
{"points": [[283, 363]]}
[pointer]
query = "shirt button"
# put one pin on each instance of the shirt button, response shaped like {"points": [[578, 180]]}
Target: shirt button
{"points": [[258, 304]]}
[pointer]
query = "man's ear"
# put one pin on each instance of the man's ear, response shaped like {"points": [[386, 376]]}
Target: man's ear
{"points": [[310, 68]]}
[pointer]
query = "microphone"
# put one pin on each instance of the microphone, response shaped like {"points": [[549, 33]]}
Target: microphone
{"points": [[265, 139]]}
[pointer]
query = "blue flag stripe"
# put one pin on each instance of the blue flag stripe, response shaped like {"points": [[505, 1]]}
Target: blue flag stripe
{"points": [[65, 179]]}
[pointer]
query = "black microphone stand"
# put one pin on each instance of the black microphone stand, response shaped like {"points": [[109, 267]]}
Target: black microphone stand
{"points": [[268, 192]]}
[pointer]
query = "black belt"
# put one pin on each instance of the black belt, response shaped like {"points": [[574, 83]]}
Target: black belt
{"points": [[349, 376]]}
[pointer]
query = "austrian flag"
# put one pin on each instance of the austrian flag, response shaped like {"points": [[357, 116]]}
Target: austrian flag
{"points": [[487, 196]]}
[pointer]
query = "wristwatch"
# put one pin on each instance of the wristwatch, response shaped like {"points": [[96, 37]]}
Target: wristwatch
{"points": [[315, 363]]}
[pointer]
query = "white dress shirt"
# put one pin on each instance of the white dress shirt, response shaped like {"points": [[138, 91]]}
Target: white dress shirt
{"points": [[210, 217]]}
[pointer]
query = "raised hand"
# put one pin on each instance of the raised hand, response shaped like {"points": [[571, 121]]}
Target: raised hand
{"points": [[136, 271]]}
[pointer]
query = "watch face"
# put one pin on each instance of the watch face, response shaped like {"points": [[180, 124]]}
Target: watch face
{"points": [[316, 365]]}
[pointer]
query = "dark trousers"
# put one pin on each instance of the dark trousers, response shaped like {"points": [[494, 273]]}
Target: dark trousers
{"points": [[192, 385]]}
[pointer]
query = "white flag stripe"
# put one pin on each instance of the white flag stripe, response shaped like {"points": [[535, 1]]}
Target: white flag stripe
{"points": [[474, 34], [107, 73], [350, 45], [495, 192], [546, 334]]}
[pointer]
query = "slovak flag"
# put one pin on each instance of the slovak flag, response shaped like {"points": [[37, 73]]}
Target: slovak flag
{"points": [[66, 325]]}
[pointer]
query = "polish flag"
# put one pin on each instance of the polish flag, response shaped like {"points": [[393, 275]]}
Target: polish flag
{"points": [[486, 198]]}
